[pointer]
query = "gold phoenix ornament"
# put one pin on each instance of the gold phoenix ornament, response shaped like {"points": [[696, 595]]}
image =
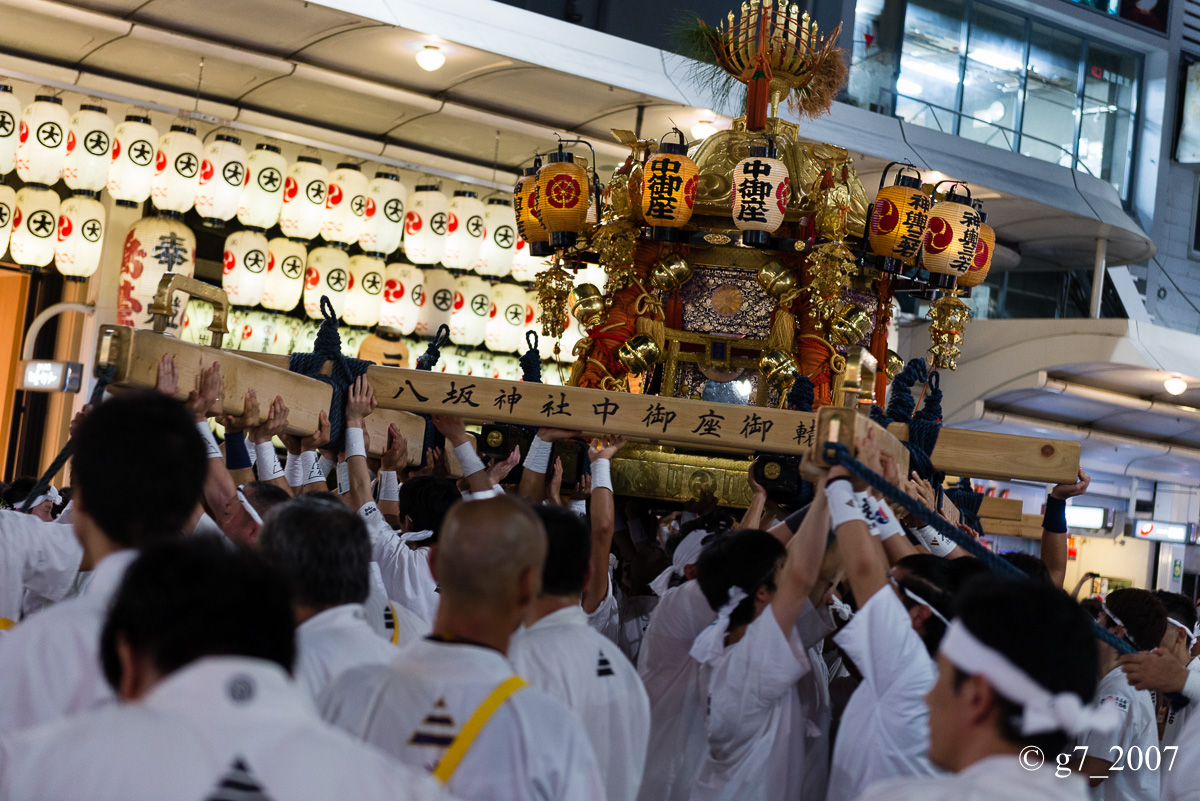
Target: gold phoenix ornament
{"points": [[948, 319], [553, 286]]}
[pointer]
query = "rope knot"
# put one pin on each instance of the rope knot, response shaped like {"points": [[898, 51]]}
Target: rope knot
{"points": [[531, 360], [433, 351]]}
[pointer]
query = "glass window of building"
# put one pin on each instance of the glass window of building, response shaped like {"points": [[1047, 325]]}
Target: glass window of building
{"points": [[993, 77], [930, 64], [1051, 95]]}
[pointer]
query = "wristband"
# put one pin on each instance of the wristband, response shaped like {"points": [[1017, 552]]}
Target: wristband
{"points": [[538, 458], [356, 445], [885, 522], [236, 457], [389, 485], [211, 451], [1055, 518], [313, 474], [937, 544], [343, 478], [294, 470], [602, 475], [251, 452], [844, 505], [326, 464], [268, 467], [468, 458]]}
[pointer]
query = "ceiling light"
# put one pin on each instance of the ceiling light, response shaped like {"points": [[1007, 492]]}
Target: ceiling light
{"points": [[911, 88], [430, 58], [703, 129], [1175, 385]]}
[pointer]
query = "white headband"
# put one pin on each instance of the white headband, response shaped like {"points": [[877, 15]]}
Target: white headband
{"points": [[912, 596], [51, 494], [1117, 620], [1191, 633], [710, 643], [686, 553], [417, 536], [1043, 711], [250, 510]]}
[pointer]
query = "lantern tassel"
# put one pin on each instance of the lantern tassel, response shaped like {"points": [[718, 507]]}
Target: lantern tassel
{"points": [[783, 331]]}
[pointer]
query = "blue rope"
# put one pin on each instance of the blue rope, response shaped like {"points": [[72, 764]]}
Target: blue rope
{"points": [[433, 351], [328, 348], [531, 360]]}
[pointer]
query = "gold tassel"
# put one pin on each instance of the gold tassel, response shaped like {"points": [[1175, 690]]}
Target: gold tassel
{"points": [[654, 329], [783, 332]]}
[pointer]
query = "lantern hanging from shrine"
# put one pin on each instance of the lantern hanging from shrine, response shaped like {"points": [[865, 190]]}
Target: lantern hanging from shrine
{"points": [[401, 298], [222, 173], [154, 247], [80, 235], [506, 319], [526, 265], [8, 213], [383, 217], [345, 204], [133, 163], [10, 119], [899, 217], [262, 191], [525, 204], [177, 170], [364, 296], [669, 189], [436, 302], [499, 240], [328, 275], [35, 222], [286, 266], [244, 273], [304, 190], [89, 148], [472, 307], [562, 198], [760, 189], [425, 225], [981, 263], [948, 245], [464, 231], [42, 145]]}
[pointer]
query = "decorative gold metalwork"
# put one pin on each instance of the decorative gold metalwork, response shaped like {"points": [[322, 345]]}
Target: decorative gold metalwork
{"points": [[894, 365], [728, 366], [553, 286], [587, 305], [639, 353], [670, 273], [851, 326], [779, 369], [717, 239], [776, 280], [948, 318], [648, 471]]}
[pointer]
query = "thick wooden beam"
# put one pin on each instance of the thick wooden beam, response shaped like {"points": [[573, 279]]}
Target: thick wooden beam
{"points": [[1000, 508], [1029, 527]]}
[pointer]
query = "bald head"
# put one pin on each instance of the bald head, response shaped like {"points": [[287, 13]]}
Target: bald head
{"points": [[490, 555]]}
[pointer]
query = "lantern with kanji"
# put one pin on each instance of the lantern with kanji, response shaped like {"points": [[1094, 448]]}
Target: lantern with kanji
{"points": [[42, 145], [257, 333], [222, 173], [89, 148], [562, 198], [245, 268], [506, 319], [425, 225], [328, 275], [525, 205], [436, 302], [899, 217], [526, 265], [284, 283], [464, 231], [80, 235], [10, 116], [154, 247], [383, 217], [499, 239], [177, 170], [981, 263], [133, 164], [364, 296], [345, 204], [472, 307], [759, 192], [8, 213], [35, 222], [197, 317], [669, 189], [401, 299], [304, 190], [262, 191], [948, 245]]}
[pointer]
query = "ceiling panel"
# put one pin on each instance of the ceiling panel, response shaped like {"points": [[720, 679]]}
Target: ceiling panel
{"points": [[473, 139], [1147, 425], [64, 38], [323, 104], [541, 94], [1050, 406]]}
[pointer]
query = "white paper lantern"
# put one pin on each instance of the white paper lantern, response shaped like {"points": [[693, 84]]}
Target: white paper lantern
{"points": [[479, 364], [286, 265], [308, 336], [287, 331], [132, 168], [222, 173], [8, 215], [352, 339], [177, 170], [35, 222], [571, 336], [43, 141], [457, 360], [402, 286], [506, 366], [81, 221], [235, 322], [436, 302], [345, 204], [328, 275], [10, 119], [472, 309], [245, 270], [364, 297], [154, 246], [499, 239], [89, 148], [525, 265], [464, 231], [259, 332], [304, 190], [197, 317], [383, 217], [506, 319], [262, 190], [550, 375], [425, 225]]}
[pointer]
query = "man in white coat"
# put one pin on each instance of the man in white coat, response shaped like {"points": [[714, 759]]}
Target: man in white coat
{"points": [[37, 559]]}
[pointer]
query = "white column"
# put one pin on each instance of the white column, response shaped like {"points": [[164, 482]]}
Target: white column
{"points": [[1098, 275]]}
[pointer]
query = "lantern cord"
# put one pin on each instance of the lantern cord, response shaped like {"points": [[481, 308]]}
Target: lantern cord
{"points": [[199, 83]]}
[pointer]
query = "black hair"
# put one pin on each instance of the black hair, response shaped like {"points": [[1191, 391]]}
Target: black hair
{"points": [[141, 443], [265, 496], [18, 491], [1179, 607], [569, 547], [322, 547], [1144, 616], [425, 500], [645, 566], [1042, 631], [191, 598], [934, 580], [1028, 564], [714, 522], [746, 558]]}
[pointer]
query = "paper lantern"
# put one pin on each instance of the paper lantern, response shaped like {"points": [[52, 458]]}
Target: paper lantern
{"points": [[456, 361], [352, 340], [287, 330], [525, 205], [304, 190], [898, 219], [42, 141], [383, 217], [329, 275], [669, 190], [10, 117], [526, 265], [177, 170], [506, 366], [506, 319], [562, 198], [464, 231], [345, 204], [425, 225], [133, 164], [760, 187], [262, 192], [472, 308], [981, 262], [499, 239], [307, 337], [286, 266], [257, 332], [244, 274], [479, 364], [81, 221], [89, 148], [364, 296], [8, 214], [436, 302], [154, 246], [222, 173], [35, 222], [402, 286], [948, 245], [197, 317]]}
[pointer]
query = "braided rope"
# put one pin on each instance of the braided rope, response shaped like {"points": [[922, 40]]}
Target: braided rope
{"points": [[328, 348], [531, 360]]}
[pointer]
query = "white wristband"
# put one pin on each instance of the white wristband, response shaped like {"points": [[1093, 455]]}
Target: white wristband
{"points": [[884, 523], [343, 473], [267, 466], [937, 544], [602, 475], [294, 470], [844, 505], [468, 458], [356, 444], [538, 458], [211, 449], [252, 453], [325, 464], [389, 486], [313, 474]]}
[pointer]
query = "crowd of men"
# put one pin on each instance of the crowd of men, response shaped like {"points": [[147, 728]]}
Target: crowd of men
{"points": [[204, 622]]}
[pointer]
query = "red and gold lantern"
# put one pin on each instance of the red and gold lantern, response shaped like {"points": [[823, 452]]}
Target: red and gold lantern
{"points": [[525, 204], [899, 217], [982, 261], [562, 198], [669, 189], [948, 245], [760, 194]]}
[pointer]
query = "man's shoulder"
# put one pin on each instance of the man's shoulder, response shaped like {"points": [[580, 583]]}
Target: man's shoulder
{"points": [[68, 623]]}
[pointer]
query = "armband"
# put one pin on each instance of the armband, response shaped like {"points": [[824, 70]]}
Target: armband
{"points": [[538, 457]]}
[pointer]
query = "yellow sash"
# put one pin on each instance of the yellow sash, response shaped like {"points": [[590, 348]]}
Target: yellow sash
{"points": [[479, 718]]}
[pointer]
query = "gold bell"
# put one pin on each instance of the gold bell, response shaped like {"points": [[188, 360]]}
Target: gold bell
{"points": [[894, 365], [778, 368], [776, 280], [639, 353], [851, 326], [670, 273], [587, 304]]}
